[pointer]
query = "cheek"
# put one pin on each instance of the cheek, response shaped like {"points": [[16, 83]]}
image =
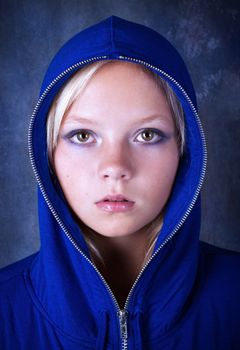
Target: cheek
{"points": [[71, 172], [160, 173]]}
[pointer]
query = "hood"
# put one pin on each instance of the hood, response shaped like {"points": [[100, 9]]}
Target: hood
{"points": [[65, 283]]}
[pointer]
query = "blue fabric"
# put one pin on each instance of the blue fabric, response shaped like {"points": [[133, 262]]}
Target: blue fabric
{"points": [[188, 295]]}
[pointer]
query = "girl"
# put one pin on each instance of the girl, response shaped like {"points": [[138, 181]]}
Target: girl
{"points": [[119, 155]]}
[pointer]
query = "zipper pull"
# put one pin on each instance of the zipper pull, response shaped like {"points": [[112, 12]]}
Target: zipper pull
{"points": [[122, 314]]}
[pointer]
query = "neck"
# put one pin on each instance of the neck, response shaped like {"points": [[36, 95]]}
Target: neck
{"points": [[120, 259]]}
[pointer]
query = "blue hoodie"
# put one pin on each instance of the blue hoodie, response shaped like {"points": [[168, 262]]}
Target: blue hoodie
{"points": [[185, 297]]}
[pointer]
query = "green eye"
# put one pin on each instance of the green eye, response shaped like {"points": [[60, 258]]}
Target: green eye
{"points": [[82, 136]]}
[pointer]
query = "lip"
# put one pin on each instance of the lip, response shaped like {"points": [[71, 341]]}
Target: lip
{"points": [[115, 207], [114, 197], [115, 203]]}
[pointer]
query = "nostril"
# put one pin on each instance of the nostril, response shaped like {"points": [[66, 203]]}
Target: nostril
{"points": [[112, 175]]}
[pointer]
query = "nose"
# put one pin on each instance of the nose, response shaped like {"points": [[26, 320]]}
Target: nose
{"points": [[115, 164]]}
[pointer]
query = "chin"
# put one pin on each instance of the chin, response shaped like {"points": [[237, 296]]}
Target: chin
{"points": [[116, 232]]}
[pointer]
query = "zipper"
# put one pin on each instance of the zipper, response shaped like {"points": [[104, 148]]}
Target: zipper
{"points": [[122, 314]]}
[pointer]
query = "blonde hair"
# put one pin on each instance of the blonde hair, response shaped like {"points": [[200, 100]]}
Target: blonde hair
{"points": [[59, 108]]}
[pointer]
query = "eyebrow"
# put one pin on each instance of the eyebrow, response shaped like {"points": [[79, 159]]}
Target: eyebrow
{"points": [[155, 117]]}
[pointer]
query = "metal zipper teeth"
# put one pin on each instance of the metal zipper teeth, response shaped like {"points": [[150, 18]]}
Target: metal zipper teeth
{"points": [[31, 155], [204, 164]]}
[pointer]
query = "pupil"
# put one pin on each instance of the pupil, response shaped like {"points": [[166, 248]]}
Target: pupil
{"points": [[147, 135], [83, 136]]}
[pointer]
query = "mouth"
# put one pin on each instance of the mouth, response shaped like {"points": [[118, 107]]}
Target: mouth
{"points": [[115, 203], [115, 198]]}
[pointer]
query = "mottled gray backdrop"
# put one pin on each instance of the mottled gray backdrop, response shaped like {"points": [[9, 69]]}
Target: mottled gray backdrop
{"points": [[205, 32]]}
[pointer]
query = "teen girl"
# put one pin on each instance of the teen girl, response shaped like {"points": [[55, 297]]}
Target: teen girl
{"points": [[119, 155]]}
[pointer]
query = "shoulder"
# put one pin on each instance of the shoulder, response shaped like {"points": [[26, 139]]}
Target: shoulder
{"points": [[219, 269], [16, 306], [12, 276]]}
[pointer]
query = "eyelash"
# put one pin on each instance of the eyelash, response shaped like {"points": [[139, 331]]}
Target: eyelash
{"points": [[73, 135]]}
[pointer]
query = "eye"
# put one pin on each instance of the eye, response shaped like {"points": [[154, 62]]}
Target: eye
{"points": [[150, 136], [81, 136]]}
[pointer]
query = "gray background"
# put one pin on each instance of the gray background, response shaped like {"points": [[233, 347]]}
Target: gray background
{"points": [[206, 33]]}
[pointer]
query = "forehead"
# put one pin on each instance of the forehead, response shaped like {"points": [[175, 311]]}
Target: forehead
{"points": [[117, 93], [128, 69], [121, 83], [120, 94]]}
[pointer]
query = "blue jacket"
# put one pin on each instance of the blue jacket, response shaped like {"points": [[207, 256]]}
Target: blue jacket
{"points": [[186, 296]]}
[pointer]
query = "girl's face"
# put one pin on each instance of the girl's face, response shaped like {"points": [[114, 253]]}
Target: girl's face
{"points": [[117, 139]]}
